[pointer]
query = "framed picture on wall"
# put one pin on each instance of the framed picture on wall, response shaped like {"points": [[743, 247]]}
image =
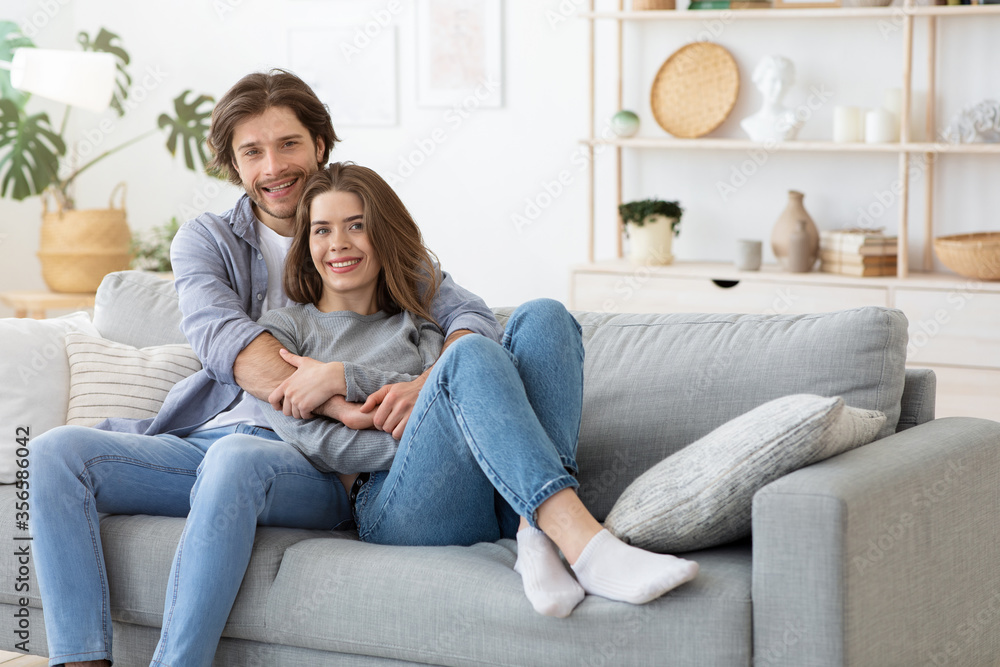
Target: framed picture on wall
{"points": [[459, 53], [795, 4]]}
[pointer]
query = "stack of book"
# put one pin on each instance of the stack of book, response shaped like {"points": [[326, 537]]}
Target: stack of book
{"points": [[857, 252]]}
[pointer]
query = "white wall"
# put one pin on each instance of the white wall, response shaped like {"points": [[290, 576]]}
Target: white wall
{"points": [[500, 163]]}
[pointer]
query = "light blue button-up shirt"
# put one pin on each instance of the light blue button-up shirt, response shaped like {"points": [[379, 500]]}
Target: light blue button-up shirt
{"points": [[221, 280]]}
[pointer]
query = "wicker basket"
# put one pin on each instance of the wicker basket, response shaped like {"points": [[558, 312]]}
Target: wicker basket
{"points": [[639, 5], [971, 255], [79, 248]]}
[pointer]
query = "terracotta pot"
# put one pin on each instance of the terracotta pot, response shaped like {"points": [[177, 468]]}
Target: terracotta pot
{"points": [[787, 226], [650, 243], [78, 248]]}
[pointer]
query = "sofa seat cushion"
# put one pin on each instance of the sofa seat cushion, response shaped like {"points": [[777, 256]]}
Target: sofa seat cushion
{"points": [[466, 606], [139, 550], [445, 605], [656, 383]]}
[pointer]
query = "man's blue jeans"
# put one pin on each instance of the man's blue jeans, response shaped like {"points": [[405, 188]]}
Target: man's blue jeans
{"points": [[226, 481], [493, 434]]}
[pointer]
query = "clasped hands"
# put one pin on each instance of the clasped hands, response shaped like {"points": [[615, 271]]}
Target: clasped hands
{"points": [[319, 388]]}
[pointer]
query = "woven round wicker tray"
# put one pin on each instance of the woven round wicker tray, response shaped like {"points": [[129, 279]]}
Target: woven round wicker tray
{"points": [[971, 255], [695, 90]]}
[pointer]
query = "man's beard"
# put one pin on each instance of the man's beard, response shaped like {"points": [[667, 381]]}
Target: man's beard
{"points": [[281, 214], [284, 211]]}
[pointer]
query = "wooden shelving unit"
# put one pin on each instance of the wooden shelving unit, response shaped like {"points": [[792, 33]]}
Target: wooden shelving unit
{"points": [[806, 146], [906, 14], [771, 14]]}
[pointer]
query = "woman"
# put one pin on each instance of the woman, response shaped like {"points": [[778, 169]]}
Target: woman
{"points": [[489, 450]]}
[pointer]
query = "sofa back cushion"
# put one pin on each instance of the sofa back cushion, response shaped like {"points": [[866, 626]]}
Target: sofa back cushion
{"points": [[138, 309], [653, 383], [656, 383]]}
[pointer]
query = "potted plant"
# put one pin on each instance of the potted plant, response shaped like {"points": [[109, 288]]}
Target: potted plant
{"points": [[151, 252], [650, 225], [79, 247]]}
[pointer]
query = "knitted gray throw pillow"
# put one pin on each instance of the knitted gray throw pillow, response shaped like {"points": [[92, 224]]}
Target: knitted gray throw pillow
{"points": [[701, 496]]}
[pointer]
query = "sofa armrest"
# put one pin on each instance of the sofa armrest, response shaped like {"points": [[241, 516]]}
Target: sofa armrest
{"points": [[885, 555]]}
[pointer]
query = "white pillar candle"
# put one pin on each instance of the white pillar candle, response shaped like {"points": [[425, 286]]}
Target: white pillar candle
{"points": [[892, 101], [880, 126], [847, 124]]}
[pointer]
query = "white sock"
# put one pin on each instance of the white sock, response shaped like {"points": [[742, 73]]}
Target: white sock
{"points": [[550, 587], [612, 569]]}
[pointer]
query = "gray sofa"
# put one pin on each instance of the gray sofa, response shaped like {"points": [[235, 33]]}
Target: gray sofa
{"points": [[885, 555]]}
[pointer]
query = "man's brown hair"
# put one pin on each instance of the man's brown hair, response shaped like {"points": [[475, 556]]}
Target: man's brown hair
{"points": [[253, 95], [409, 278]]}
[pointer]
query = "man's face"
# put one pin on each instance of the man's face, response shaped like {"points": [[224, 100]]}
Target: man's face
{"points": [[274, 154]]}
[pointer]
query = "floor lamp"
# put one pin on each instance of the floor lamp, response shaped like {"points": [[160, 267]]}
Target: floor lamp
{"points": [[79, 79]]}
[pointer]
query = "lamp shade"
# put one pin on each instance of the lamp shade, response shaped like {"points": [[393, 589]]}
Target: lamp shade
{"points": [[79, 79]]}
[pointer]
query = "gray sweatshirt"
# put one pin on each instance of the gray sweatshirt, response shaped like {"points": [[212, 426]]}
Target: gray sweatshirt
{"points": [[368, 346]]}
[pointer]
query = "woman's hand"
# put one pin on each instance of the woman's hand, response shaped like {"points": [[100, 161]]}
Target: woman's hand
{"points": [[394, 403], [311, 385], [349, 414]]}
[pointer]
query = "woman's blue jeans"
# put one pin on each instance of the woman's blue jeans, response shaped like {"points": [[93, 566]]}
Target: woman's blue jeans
{"points": [[226, 481], [493, 435]]}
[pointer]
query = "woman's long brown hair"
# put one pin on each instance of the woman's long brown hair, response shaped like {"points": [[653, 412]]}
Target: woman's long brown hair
{"points": [[409, 278]]}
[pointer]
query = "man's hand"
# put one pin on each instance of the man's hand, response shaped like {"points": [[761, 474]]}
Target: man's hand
{"points": [[311, 385], [348, 414], [394, 403]]}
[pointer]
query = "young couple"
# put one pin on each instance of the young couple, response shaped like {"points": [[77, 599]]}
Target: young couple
{"points": [[422, 437]]}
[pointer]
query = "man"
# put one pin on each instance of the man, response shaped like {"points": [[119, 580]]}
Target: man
{"points": [[208, 455]]}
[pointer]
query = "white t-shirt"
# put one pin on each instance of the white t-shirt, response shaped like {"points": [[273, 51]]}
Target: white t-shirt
{"points": [[245, 409], [275, 248]]}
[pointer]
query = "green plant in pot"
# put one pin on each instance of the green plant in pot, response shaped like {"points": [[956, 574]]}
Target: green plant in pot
{"points": [[79, 247], [650, 225], [151, 251]]}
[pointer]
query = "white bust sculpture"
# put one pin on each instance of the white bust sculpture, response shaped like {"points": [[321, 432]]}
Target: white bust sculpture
{"points": [[773, 76]]}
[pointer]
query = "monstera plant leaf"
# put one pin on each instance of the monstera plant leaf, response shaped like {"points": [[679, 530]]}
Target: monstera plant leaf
{"points": [[189, 127], [11, 39], [109, 42], [29, 151]]}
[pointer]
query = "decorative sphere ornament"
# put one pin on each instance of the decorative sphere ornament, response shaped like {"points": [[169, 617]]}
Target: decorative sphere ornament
{"points": [[625, 123]]}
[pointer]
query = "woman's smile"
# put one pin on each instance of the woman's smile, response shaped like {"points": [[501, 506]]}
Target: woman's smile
{"points": [[344, 265]]}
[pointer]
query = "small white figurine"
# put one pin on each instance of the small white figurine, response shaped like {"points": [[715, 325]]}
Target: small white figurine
{"points": [[773, 76], [979, 123]]}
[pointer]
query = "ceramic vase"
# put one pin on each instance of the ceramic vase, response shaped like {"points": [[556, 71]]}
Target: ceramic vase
{"points": [[787, 226], [651, 242], [800, 253]]}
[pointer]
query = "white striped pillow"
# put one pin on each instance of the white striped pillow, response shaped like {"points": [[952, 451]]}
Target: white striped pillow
{"points": [[108, 379]]}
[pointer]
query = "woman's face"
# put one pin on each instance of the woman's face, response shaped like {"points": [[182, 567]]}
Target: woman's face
{"points": [[342, 253]]}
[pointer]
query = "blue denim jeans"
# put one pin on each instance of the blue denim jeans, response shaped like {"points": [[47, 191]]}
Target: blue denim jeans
{"points": [[226, 481], [493, 435]]}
